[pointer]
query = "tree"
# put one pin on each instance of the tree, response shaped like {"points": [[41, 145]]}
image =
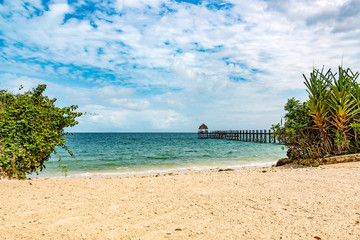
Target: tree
{"points": [[31, 127]]}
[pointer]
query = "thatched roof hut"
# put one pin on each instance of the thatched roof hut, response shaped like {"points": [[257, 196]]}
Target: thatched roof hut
{"points": [[203, 127]]}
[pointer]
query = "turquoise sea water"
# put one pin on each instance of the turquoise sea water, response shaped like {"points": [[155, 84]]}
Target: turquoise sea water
{"points": [[111, 154]]}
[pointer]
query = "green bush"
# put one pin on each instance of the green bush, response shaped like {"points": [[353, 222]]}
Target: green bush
{"points": [[328, 123], [31, 126]]}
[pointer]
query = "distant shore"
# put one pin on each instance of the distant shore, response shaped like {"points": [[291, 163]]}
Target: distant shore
{"points": [[261, 203]]}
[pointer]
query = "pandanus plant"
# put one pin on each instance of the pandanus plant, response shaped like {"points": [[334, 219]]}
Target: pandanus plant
{"points": [[343, 106], [318, 87], [333, 123], [334, 103]]}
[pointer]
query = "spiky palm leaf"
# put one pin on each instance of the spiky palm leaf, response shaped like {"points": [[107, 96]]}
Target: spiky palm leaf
{"points": [[343, 105], [318, 89]]}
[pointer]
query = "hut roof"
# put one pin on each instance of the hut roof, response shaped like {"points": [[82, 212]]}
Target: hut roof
{"points": [[203, 126]]}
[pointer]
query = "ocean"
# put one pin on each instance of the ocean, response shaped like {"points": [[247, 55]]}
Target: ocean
{"points": [[123, 154]]}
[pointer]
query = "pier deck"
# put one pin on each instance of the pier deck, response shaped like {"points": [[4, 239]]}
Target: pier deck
{"points": [[262, 136]]}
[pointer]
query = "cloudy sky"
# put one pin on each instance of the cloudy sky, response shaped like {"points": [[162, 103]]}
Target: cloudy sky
{"points": [[170, 65]]}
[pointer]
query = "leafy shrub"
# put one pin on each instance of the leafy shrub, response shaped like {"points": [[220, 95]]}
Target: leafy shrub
{"points": [[328, 123], [31, 126]]}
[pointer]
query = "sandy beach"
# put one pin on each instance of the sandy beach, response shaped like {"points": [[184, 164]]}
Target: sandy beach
{"points": [[264, 203]]}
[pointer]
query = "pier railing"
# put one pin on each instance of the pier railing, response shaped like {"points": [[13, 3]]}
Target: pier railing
{"points": [[261, 136]]}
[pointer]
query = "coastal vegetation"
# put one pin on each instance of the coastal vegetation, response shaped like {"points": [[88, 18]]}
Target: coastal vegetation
{"points": [[31, 127], [328, 122]]}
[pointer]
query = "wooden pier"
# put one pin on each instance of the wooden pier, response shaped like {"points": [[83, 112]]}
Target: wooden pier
{"points": [[261, 136]]}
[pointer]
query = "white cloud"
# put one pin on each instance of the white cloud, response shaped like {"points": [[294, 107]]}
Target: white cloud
{"points": [[180, 66], [165, 119], [105, 112], [58, 10], [120, 4], [12, 83], [109, 119], [130, 103]]}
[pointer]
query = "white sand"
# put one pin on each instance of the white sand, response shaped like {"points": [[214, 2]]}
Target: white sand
{"points": [[267, 203]]}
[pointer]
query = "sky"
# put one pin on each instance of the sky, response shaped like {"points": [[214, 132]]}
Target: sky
{"points": [[171, 65]]}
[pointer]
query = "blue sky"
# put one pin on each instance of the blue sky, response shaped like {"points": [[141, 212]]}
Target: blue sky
{"points": [[170, 65]]}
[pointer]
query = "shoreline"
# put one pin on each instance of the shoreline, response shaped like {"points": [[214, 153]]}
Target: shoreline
{"points": [[153, 172]]}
